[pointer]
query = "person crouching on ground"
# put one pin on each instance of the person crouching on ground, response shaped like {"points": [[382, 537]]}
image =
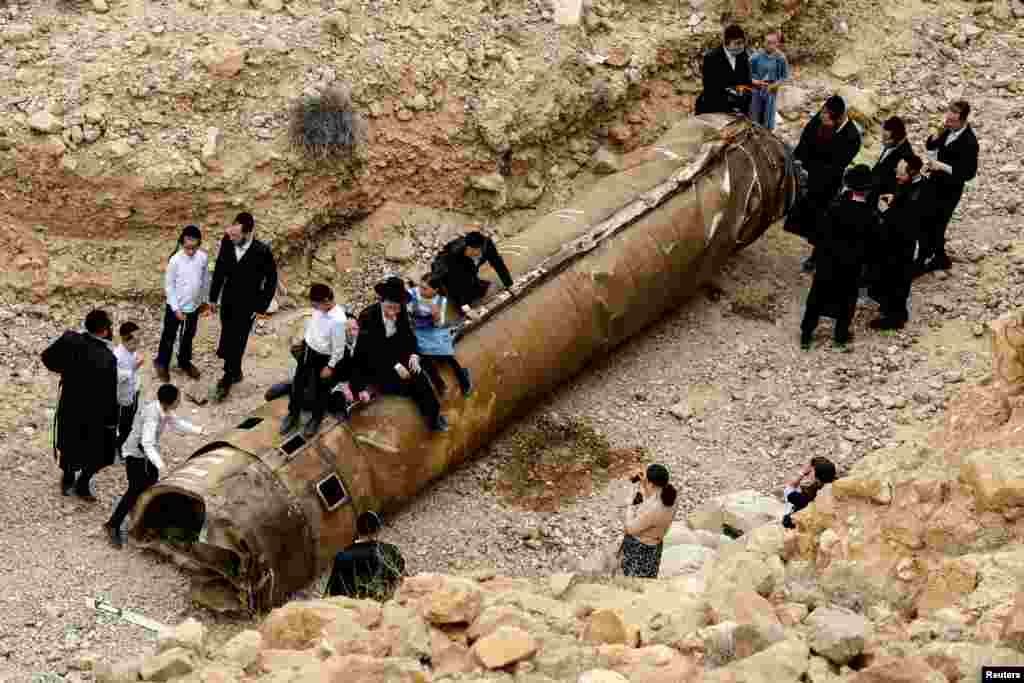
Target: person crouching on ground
{"points": [[367, 568], [428, 310], [798, 496], [457, 268], [648, 519], [142, 454], [323, 347]]}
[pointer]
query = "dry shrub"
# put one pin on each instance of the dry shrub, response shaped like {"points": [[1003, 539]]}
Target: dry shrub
{"points": [[325, 126], [297, 629]]}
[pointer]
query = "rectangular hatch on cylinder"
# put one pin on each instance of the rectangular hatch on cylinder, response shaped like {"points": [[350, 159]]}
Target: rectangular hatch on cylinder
{"points": [[332, 492]]}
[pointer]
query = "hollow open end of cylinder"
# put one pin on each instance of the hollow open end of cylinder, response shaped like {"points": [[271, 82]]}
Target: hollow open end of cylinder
{"points": [[175, 523]]}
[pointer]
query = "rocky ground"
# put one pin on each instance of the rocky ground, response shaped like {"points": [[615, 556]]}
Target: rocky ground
{"points": [[719, 390]]}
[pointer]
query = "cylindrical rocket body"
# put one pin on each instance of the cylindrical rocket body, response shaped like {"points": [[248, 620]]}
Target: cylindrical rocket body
{"points": [[625, 252]]}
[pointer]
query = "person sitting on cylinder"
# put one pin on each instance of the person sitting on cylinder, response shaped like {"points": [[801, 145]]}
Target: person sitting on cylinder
{"points": [[457, 267], [323, 347], [428, 309], [368, 568], [387, 356], [798, 496], [647, 520], [725, 74]]}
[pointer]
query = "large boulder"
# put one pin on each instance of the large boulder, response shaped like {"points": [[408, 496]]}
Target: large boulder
{"points": [[243, 649], [168, 664], [996, 477], [300, 625], [742, 569], [443, 599], [680, 560], [681, 534], [743, 510], [189, 634], [838, 634], [898, 670], [784, 662], [604, 626], [504, 646]]}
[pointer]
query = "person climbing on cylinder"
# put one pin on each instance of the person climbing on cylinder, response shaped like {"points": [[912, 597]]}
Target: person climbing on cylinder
{"points": [[428, 310], [456, 269]]}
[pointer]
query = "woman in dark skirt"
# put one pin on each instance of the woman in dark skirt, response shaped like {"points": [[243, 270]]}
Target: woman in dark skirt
{"points": [[647, 521]]}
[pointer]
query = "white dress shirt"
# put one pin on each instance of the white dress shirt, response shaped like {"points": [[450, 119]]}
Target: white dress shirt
{"points": [[732, 59], [954, 134], [148, 427], [390, 326], [325, 334], [127, 376], [240, 249], [187, 281]]}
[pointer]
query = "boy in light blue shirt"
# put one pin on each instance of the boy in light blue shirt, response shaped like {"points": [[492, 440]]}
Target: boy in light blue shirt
{"points": [[768, 70]]}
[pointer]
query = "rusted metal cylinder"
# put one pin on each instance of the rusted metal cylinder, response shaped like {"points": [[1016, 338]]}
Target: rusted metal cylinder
{"points": [[257, 516]]}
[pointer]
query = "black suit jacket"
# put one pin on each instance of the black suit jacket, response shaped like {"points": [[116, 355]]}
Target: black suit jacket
{"points": [[718, 75], [376, 353], [961, 154], [457, 268], [884, 172], [248, 285], [826, 163]]}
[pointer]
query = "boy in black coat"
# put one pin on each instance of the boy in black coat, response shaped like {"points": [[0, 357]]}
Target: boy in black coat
{"points": [[850, 223], [953, 160], [387, 356], [895, 148], [725, 70], [457, 266], [243, 285]]}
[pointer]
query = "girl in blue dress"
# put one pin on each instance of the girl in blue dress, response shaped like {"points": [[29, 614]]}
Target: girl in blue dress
{"points": [[768, 69], [428, 310]]}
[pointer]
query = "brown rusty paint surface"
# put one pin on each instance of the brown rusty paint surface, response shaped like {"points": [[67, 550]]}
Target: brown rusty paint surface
{"points": [[262, 513]]}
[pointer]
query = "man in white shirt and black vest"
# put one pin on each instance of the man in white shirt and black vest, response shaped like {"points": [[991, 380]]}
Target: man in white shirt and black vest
{"points": [[324, 344], [952, 161], [244, 283], [142, 453]]}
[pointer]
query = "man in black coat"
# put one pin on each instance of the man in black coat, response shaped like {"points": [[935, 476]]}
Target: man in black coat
{"points": [[895, 148], [953, 160], [726, 70], [87, 411], [828, 144], [458, 264], [893, 248], [387, 355], [244, 283], [850, 223]]}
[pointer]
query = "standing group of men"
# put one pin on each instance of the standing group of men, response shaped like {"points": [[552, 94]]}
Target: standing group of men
{"points": [[98, 415], [876, 227]]}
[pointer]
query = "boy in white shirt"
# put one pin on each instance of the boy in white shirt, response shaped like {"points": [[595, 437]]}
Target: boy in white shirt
{"points": [[186, 284], [128, 364], [324, 345], [142, 454]]}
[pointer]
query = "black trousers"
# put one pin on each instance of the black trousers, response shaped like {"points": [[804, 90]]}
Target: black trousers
{"points": [[308, 383], [125, 419], [465, 289], [170, 333], [431, 365], [234, 335], [141, 475], [842, 311], [78, 473], [933, 229], [418, 388]]}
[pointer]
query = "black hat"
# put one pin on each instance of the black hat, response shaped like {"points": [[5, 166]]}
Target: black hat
{"points": [[392, 289], [858, 178]]}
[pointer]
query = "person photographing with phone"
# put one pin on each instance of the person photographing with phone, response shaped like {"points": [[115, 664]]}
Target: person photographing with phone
{"points": [[647, 519]]}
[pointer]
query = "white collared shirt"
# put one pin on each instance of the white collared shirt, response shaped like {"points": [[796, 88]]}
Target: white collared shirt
{"points": [[147, 429], [187, 281], [731, 58], [127, 376], [390, 326], [325, 333], [240, 249], [954, 134]]}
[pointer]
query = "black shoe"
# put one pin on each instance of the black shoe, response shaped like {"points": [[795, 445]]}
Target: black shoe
{"points": [[162, 373], [235, 378], [805, 341], [114, 536], [288, 423], [191, 370], [440, 424], [312, 427], [807, 265], [887, 324], [221, 391], [842, 342], [466, 382]]}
